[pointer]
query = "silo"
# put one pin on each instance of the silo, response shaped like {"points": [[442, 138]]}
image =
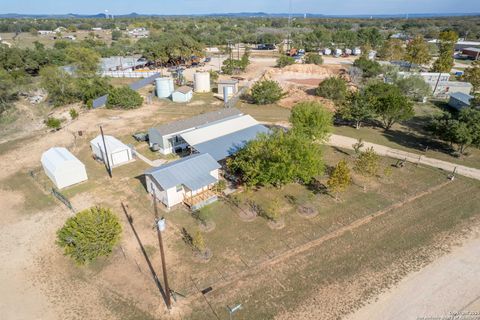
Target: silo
{"points": [[164, 87], [201, 82]]}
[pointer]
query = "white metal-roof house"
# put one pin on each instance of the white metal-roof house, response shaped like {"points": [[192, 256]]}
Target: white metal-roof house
{"points": [[186, 180], [63, 168], [167, 138], [118, 152]]}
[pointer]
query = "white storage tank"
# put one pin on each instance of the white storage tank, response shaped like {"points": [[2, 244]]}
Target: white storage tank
{"points": [[201, 82], [164, 87]]}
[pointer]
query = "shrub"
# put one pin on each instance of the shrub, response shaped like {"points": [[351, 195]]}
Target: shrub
{"points": [[311, 119], [370, 68], [198, 242], [124, 98], [333, 88], [266, 92], [73, 114], [367, 163], [284, 61], [313, 58], [53, 122], [89, 234]]}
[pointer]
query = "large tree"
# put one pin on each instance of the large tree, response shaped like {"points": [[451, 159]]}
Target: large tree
{"points": [[357, 109], [392, 49], [417, 51], [461, 131], [390, 105], [278, 159], [445, 61], [89, 234], [311, 119], [472, 75], [59, 85]]}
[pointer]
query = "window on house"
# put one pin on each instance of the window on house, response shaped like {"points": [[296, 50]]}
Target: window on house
{"points": [[179, 188]]}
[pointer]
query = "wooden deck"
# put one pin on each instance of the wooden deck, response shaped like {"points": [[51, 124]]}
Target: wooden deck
{"points": [[199, 198]]}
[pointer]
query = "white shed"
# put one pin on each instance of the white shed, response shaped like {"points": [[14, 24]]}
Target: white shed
{"points": [[118, 152], [182, 94], [63, 168]]}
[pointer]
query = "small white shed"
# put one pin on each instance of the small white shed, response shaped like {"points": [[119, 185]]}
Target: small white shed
{"points": [[118, 152], [182, 94], [63, 168]]}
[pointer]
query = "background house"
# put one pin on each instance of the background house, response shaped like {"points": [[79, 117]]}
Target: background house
{"points": [[459, 100], [118, 153], [63, 168], [188, 180]]}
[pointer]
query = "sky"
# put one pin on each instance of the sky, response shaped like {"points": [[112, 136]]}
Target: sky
{"points": [[342, 7]]}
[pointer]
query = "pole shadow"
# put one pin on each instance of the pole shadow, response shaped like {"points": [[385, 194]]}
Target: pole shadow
{"points": [[147, 259]]}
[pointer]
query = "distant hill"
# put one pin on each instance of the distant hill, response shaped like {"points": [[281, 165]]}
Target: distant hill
{"points": [[233, 15]]}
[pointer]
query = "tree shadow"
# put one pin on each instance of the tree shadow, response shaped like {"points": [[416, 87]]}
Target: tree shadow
{"points": [[416, 142], [147, 259], [311, 92]]}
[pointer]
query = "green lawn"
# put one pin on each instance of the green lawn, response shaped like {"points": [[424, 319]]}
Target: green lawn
{"points": [[412, 136]]}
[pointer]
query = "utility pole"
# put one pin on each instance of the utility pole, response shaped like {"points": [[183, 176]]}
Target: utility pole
{"points": [[105, 155], [160, 223]]}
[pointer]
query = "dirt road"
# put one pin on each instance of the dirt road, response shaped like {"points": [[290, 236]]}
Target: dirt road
{"points": [[347, 143], [450, 284]]}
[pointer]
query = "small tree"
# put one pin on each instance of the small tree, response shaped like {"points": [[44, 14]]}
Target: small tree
{"points": [[417, 52], [311, 119], [124, 98], [284, 61], [73, 114], [333, 88], [472, 75], [198, 242], [445, 61], [313, 58], [414, 87], [266, 92], [392, 49], [272, 211], [53, 123], [339, 178], [89, 234], [369, 67], [367, 163], [116, 35], [356, 109], [390, 105]]}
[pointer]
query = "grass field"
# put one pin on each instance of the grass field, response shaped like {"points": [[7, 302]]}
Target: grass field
{"points": [[389, 246], [412, 136]]}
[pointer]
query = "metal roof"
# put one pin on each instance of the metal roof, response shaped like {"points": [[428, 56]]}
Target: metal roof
{"points": [[144, 82], [184, 90], [227, 145], [218, 129], [113, 144], [228, 81], [462, 97], [56, 157], [192, 171], [197, 121], [471, 49]]}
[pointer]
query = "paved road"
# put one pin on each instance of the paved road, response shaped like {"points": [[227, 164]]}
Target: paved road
{"points": [[347, 143], [450, 284]]}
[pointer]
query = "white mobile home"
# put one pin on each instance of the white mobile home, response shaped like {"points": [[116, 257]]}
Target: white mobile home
{"points": [[118, 153], [63, 168], [188, 180]]}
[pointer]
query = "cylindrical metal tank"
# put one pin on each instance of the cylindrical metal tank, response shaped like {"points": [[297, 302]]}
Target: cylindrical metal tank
{"points": [[164, 87], [201, 82]]}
